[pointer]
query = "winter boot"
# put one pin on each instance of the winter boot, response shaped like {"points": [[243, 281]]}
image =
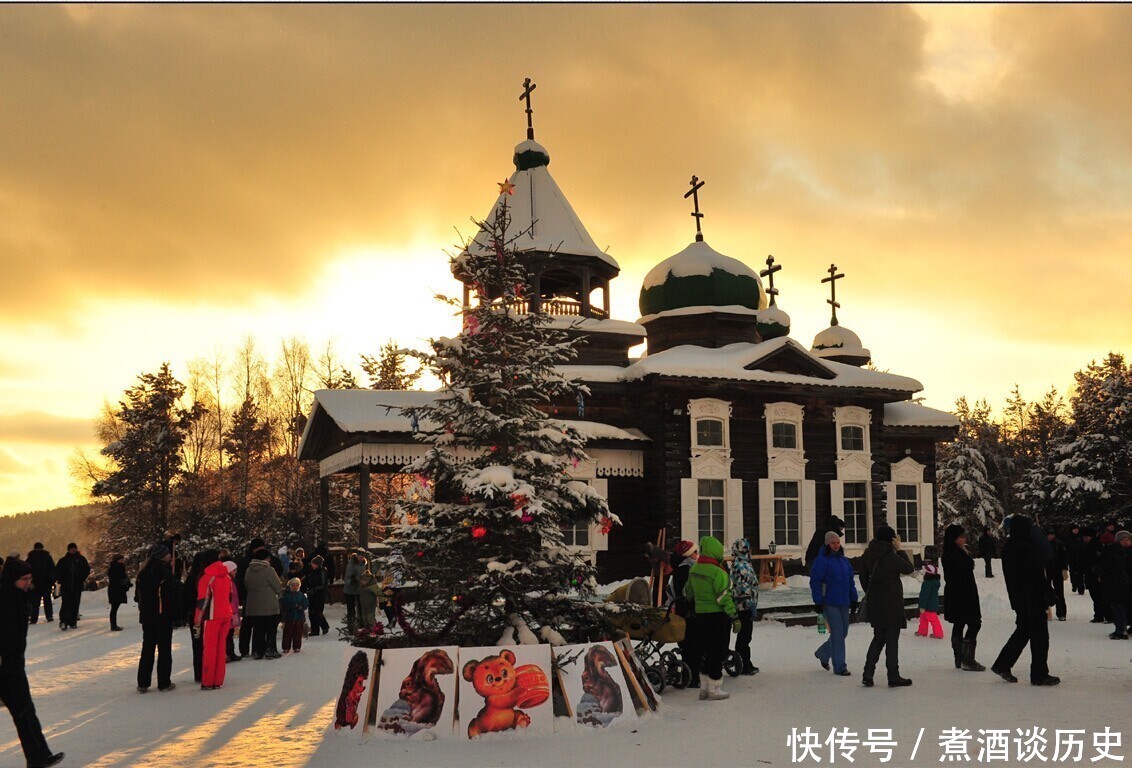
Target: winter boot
{"points": [[969, 663], [867, 676], [1004, 673], [898, 682], [714, 691], [698, 682], [957, 648]]}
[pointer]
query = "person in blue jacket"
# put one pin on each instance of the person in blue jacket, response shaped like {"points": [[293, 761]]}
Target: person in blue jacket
{"points": [[835, 595]]}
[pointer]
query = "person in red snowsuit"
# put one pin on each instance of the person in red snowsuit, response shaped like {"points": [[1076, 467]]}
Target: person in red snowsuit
{"points": [[214, 619]]}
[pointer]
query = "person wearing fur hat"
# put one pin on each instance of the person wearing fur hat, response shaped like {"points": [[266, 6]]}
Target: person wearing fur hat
{"points": [[1112, 571], [882, 565], [15, 584], [709, 587], [929, 603], [684, 556], [961, 606], [1024, 569], [835, 595], [745, 593]]}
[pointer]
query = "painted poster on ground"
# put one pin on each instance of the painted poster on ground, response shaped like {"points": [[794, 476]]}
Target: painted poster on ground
{"points": [[356, 678], [593, 682], [505, 689], [417, 692], [644, 697]]}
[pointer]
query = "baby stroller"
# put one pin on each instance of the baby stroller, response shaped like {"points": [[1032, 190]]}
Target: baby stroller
{"points": [[653, 628]]}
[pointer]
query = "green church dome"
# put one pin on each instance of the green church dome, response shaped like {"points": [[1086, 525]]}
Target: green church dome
{"points": [[699, 276]]}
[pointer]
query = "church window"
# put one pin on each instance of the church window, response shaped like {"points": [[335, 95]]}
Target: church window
{"points": [[709, 433], [852, 438], [907, 512], [711, 508], [855, 513], [787, 512], [784, 434], [576, 535]]}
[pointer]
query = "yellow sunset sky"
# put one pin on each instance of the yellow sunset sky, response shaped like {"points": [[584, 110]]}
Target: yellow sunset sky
{"points": [[176, 177]]}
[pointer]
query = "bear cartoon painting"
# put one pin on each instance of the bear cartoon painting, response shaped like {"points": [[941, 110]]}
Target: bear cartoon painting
{"points": [[495, 679]]}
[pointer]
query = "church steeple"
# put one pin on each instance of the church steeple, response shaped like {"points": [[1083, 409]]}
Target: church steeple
{"points": [[566, 266]]}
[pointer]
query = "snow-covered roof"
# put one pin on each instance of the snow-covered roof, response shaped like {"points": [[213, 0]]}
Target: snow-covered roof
{"points": [[730, 362], [699, 258], [542, 219], [596, 325], [374, 410], [838, 340], [774, 314], [909, 414]]}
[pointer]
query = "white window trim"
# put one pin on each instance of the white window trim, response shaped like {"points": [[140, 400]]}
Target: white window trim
{"points": [[785, 463], [599, 542], [806, 523], [837, 507], [711, 462], [853, 466], [908, 471]]}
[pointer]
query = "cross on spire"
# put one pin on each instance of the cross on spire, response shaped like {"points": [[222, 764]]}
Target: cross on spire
{"points": [[768, 273], [832, 300], [528, 86], [694, 193]]}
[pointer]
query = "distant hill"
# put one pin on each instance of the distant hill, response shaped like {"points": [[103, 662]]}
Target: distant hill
{"points": [[54, 527]]}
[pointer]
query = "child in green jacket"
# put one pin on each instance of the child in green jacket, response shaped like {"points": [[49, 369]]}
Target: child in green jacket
{"points": [[709, 588], [929, 603]]}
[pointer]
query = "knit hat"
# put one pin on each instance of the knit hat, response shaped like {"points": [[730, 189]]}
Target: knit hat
{"points": [[930, 570], [886, 533], [1122, 535], [158, 551], [317, 559], [1107, 538], [13, 570], [685, 547], [230, 566], [831, 536]]}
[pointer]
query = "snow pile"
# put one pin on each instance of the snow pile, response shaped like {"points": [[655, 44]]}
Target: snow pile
{"points": [[699, 258]]}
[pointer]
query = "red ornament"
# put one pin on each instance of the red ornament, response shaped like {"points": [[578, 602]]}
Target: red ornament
{"points": [[420, 553], [606, 525], [527, 517], [479, 531], [519, 500]]}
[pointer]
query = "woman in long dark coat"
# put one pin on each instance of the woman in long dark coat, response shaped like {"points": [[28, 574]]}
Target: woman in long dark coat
{"points": [[117, 585], [961, 598], [882, 565]]}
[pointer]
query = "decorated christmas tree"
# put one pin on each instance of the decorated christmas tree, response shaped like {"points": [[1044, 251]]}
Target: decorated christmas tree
{"points": [[482, 552]]}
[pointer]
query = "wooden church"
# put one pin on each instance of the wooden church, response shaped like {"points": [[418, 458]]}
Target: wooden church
{"points": [[728, 426]]}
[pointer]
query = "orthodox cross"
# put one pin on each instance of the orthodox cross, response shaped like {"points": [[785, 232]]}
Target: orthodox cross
{"points": [[694, 193], [768, 273], [528, 86], [832, 280]]}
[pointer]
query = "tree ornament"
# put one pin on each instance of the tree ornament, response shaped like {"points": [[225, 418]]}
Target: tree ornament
{"points": [[506, 188], [527, 517], [471, 325], [606, 525], [420, 553], [519, 500], [479, 531], [581, 406]]}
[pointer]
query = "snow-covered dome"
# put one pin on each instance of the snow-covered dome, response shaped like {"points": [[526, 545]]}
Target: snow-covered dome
{"points": [[700, 276], [841, 345], [773, 322]]}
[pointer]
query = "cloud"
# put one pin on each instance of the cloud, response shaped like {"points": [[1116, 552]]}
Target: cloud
{"points": [[41, 427], [11, 463]]}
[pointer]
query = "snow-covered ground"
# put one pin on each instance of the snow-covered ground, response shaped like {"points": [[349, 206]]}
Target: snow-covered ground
{"points": [[275, 713]]}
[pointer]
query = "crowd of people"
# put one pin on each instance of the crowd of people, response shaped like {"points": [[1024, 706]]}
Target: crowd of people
{"points": [[717, 596]]}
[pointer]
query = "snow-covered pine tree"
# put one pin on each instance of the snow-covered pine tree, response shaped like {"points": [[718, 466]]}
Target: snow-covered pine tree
{"points": [[146, 459], [484, 547], [966, 495], [387, 370], [1088, 476]]}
